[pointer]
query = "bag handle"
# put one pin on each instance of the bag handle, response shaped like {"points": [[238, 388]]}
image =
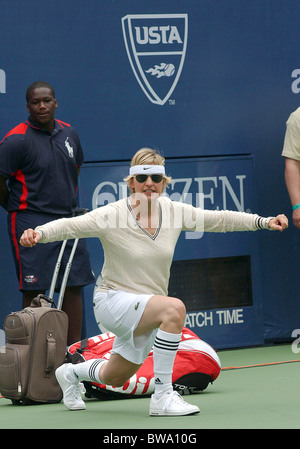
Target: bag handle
{"points": [[42, 301], [51, 351]]}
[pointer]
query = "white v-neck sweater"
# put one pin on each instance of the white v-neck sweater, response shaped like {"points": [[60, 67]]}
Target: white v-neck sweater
{"points": [[135, 260]]}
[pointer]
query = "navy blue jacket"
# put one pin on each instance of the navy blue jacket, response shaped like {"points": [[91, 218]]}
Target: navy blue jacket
{"points": [[41, 168]]}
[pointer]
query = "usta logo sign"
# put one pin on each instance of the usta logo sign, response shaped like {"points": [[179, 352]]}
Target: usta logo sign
{"points": [[156, 47]]}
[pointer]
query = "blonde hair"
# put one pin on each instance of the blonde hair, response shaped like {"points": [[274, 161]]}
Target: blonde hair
{"points": [[146, 156]]}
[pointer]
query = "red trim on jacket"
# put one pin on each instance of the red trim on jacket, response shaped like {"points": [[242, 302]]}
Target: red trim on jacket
{"points": [[31, 125], [19, 129], [15, 241], [62, 123], [19, 175]]}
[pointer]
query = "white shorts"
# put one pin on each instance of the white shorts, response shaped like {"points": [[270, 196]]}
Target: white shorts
{"points": [[120, 313]]}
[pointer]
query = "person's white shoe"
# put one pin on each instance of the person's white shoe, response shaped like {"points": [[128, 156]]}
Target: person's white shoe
{"points": [[71, 389], [171, 403]]}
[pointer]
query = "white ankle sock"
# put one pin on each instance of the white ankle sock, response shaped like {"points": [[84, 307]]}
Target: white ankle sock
{"points": [[164, 352], [89, 370]]}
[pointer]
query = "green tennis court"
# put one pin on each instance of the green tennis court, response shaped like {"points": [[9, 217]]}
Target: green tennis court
{"points": [[258, 388]]}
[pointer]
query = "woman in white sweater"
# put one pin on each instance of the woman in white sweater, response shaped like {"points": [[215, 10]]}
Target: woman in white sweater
{"points": [[138, 235]]}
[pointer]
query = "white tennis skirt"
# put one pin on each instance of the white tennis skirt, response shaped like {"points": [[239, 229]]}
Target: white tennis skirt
{"points": [[120, 313]]}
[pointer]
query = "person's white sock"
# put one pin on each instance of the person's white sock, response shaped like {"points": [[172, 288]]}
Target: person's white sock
{"points": [[88, 371], [164, 353]]}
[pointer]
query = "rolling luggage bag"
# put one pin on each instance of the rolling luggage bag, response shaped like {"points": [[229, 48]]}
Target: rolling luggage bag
{"points": [[36, 340]]}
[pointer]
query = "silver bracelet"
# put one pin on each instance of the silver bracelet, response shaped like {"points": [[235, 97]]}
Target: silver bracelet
{"points": [[263, 223], [40, 232], [267, 222]]}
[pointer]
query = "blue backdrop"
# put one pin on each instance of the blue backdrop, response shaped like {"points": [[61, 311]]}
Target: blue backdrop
{"points": [[195, 79]]}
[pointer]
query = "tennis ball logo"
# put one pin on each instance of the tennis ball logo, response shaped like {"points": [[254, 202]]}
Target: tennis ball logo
{"points": [[162, 70], [169, 70]]}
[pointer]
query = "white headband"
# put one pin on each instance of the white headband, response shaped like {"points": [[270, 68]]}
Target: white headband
{"points": [[147, 169]]}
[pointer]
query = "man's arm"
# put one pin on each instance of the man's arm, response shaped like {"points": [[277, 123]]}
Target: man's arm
{"points": [[4, 192], [292, 180]]}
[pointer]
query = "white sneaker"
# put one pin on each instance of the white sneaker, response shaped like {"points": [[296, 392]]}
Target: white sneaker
{"points": [[170, 403], [71, 389]]}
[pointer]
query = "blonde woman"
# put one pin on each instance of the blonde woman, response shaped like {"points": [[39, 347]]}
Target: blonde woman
{"points": [[138, 236]]}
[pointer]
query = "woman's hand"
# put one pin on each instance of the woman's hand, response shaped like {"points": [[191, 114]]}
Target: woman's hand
{"points": [[30, 238], [279, 223]]}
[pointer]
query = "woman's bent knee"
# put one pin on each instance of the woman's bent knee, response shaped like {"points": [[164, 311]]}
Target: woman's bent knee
{"points": [[162, 312], [177, 310], [173, 316]]}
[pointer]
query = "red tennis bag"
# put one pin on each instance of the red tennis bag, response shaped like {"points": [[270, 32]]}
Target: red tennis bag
{"points": [[196, 365]]}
